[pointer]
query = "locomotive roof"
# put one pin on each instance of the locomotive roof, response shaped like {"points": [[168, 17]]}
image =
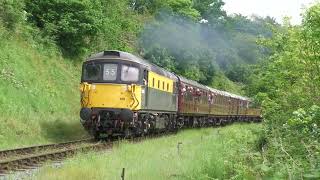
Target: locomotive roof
{"points": [[105, 55]]}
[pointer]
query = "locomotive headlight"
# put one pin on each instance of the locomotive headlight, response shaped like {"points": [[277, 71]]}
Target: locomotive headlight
{"points": [[82, 88]]}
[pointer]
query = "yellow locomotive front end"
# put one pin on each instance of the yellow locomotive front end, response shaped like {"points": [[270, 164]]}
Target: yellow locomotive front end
{"points": [[119, 96], [111, 93]]}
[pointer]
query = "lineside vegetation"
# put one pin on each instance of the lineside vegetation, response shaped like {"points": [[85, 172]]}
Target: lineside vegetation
{"points": [[213, 153]]}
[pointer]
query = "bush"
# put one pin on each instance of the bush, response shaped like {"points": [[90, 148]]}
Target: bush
{"points": [[307, 122]]}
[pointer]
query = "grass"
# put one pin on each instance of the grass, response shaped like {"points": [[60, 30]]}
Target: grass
{"points": [[39, 98], [212, 153]]}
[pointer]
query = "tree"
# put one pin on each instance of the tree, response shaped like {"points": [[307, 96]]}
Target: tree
{"points": [[72, 24], [309, 51], [147, 6], [179, 7], [212, 10]]}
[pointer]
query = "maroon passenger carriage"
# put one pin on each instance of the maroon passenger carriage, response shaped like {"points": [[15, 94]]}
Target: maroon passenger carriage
{"points": [[199, 105]]}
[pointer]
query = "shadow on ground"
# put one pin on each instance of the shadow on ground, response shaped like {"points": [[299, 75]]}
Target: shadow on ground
{"points": [[60, 131]]}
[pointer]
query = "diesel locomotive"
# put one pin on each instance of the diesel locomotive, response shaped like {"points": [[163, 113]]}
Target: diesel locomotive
{"points": [[125, 95]]}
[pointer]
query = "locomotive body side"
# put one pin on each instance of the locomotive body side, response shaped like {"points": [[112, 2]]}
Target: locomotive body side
{"points": [[161, 95]]}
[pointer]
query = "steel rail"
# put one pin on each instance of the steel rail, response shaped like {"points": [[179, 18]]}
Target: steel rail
{"points": [[54, 152], [5, 154], [23, 158]]}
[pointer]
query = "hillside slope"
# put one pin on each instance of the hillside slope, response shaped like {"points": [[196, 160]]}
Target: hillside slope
{"points": [[39, 99]]}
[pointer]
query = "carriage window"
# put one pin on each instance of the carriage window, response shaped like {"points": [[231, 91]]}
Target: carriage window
{"points": [[152, 82], [163, 85], [92, 72], [110, 72], [158, 84], [167, 86], [129, 73]]}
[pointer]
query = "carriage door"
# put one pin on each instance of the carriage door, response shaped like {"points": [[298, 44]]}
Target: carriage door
{"points": [[145, 94], [238, 107]]}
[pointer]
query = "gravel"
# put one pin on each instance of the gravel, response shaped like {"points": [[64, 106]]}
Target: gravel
{"points": [[29, 173]]}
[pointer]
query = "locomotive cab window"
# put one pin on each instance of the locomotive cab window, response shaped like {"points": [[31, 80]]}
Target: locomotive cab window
{"points": [[129, 73], [92, 72]]}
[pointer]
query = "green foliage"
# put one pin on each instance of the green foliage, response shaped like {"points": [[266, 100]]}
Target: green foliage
{"points": [[239, 73], [212, 10], [306, 122], [221, 82], [180, 7], [289, 77], [72, 24], [120, 27], [39, 99], [287, 85], [220, 153], [257, 26], [80, 27], [310, 37], [11, 13], [184, 8], [161, 57]]}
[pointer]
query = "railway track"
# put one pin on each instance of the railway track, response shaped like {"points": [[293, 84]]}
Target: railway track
{"points": [[31, 157]]}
